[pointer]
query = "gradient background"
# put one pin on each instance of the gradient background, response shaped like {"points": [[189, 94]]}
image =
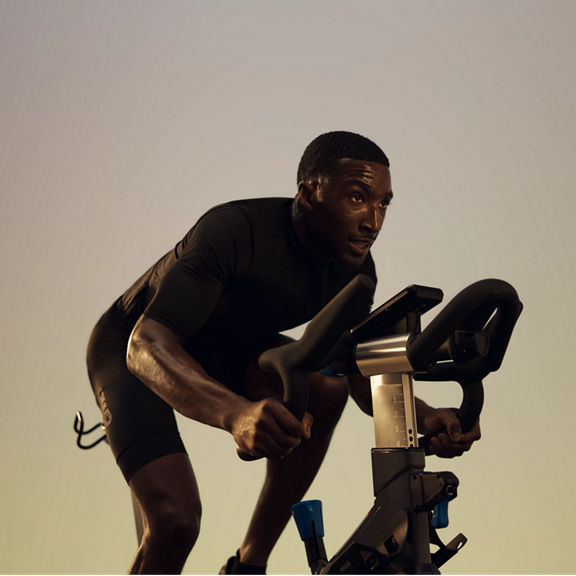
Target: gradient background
{"points": [[121, 122]]}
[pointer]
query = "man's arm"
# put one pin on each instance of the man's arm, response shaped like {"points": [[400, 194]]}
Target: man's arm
{"points": [[360, 392], [447, 438], [155, 356]]}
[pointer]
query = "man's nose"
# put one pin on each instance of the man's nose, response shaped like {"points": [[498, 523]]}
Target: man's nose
{"points": [[373, 219]]}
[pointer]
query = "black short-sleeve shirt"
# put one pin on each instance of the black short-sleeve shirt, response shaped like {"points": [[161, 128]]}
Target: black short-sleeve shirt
{"points": [[235, 280]]}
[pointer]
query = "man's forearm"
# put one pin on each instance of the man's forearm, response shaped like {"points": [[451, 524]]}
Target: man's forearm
{"points": [[156, 357]]}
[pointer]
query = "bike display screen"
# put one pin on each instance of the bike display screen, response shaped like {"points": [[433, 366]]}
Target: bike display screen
{"points": [[384, 320]]}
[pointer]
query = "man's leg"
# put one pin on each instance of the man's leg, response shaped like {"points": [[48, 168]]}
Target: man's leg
{"points": [[287, 480], [167, 492], [143, 435]]}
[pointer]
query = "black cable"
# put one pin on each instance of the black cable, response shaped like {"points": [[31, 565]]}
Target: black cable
{"points": [[79, 429]]}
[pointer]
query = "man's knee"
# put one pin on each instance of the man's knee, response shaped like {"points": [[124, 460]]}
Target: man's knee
{"points": [[173, 526], [328, 397]]}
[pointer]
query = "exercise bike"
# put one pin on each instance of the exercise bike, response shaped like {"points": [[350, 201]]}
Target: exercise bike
{"points": [[464, 343]]}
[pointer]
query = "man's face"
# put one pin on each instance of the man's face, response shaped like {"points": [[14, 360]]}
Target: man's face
{"points": [[347, 210]]}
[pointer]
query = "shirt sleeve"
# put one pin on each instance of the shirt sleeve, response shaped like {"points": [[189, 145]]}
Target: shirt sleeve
{"points": [[211, 256]]}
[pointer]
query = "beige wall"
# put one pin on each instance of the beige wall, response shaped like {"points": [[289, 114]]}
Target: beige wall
{"points": [[121, 122]]}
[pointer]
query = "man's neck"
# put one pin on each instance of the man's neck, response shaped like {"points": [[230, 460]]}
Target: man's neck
{"points": [[305, 238]]}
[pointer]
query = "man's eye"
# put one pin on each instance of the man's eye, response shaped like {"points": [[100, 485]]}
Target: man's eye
{"points": [[357, 197]]}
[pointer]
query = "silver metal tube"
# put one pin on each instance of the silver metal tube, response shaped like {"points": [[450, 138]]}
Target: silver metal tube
{"points": [[394, 411], [384, 355]]}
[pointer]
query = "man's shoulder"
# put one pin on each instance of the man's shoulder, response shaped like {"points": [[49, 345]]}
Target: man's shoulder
{"points": [[267, 216], [266, 201], [254, 209], [254, 206], [255, 219]]}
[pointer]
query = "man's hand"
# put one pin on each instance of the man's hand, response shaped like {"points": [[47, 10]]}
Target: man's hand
{"points": [[447, 439], [266, 428]]}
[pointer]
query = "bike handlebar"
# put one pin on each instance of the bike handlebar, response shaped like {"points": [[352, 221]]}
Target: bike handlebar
{"points": [[489, 307], [316, 347]]}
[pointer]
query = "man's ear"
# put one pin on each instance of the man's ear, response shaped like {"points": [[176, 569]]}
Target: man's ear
{"points": [[306, 196]]}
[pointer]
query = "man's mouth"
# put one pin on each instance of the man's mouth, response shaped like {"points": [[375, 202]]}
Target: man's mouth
{"points": [[361, 246]]}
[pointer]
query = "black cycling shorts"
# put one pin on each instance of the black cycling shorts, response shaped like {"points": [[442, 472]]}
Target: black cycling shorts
{"points": [[140, 426]]}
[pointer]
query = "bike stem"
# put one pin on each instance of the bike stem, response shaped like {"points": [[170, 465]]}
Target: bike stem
{"points": [[397, 462], [395, 535]]}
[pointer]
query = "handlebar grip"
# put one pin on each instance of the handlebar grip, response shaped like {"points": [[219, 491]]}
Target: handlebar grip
{"points": [[472, 403], [468, 413], [295, 400], [246, 456], [489, 306]]}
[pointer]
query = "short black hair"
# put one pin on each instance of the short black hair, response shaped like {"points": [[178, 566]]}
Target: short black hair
{"points": [[322, 154]]}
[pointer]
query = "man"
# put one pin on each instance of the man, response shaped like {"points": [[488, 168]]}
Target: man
{"points": [[187, 334]]}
